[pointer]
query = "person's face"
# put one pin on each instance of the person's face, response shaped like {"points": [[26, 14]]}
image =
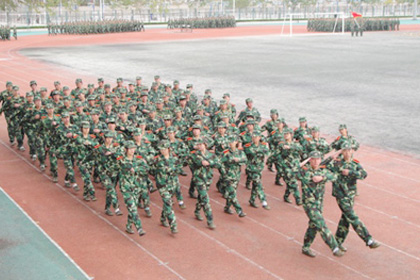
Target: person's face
{"points": [[33, 86], [343, 132], [111, 126], [315, 134], [30, 99], [159, 106], [256, 139], [95, 117], [108, 108], [50, 111], [108, 141], [171, 136], [233, 144], [137, 138], [168, 123], [315, 162], [288, 136], [196, 132], [250, 127], [79, 109], [66, 120], [85, 130], [274, 116], [303, 124], [183, 102], [38, 103], [130, 151]]}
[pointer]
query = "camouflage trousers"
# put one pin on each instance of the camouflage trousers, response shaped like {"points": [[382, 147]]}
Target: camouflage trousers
{"points": [[69, 165], [109, 182], [193, 187], [130, 194], [41, 152], [219, 185], [30, 132], [257, 187], [142, 184], [349, 217], [203, 201], [177, 191], [85, 169], [168, 213], [279, 172], [15, 131], [291, 184], [317, 224], [230, 187]]}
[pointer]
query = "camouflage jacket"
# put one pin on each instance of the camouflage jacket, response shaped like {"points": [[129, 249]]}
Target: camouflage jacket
{"points": [[86, 148], [313, 193], [345, 186], [255, 155], [232, 162], [167, 170], [340, 140], [203, 174]]}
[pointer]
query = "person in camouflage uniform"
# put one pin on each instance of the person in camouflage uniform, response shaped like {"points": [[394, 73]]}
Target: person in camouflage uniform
{"points": [[232, 159], [108, 170], [313, 180], [275, 138], [221, 144], [344, 138], [317, 143], [131, 167], [65, 135], [46, 141], [86, 147], [203, 163], [13, 109], [145, 150], [348, 170], [250, 109], [26, 123], [166, 166], [256, 151], [289, 156]]}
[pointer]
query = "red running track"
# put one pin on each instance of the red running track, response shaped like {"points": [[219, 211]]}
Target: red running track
{"points": [[263, 245]]}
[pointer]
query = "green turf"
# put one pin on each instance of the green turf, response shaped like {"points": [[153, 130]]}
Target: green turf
{"points": [[25, 252]]}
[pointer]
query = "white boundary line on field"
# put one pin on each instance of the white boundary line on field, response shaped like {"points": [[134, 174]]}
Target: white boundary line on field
{"points": [[46, 235]]}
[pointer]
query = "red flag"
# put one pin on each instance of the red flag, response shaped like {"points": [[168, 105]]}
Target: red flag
{"points": [[356, 15]]}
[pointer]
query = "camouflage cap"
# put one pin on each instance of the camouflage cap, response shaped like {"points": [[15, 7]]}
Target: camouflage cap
{"points": [[248, 100], [91, 97], [79, 80], [144, 93], [250, 115], [302, 119], [119, 79], [222, 125], [182, 97], [15, 88], [288, 130], [111, 120], [122, 111], [56, 83], [159, 100], [107, 86], [200, 108], [107, 103], [168, 86], [164, 144], [43, 89], [157, 77], [131, 103], [177, 110], [66, 88], [65, 114], [109, 134], [95, 112], [222, 102], [85, 125], [342, 126], [227, 94], [29, 94], [170, 129], [78, 104], [167, 117], [189, 86], [131, 84], [315, 128], [176, 82], [154, 84], [66, 98], [207, 96], [250, 122], [274, 112], [138, 78], [315, 154], [137, 132], [152, 109], [8, 84], [143, 88], [233, 138], [32, 83], [197, 118], [129, 144], [91, 86], [100, 91], [196, 126], [100, 80], [122, 90], [224, 116], [142, 122], [256, 133], [37, 98], [49, 106], [281, 120], [207, 91]]}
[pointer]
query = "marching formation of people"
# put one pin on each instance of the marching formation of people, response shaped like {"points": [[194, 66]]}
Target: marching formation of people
{"points": [[7, 32], [95, 27], [353, 25], [206, 22], [141, 140]]}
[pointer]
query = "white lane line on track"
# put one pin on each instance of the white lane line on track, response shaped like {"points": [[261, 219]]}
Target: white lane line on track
{"points": [[160, 262], [291, 238], [332, 222], [45, 234]]}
